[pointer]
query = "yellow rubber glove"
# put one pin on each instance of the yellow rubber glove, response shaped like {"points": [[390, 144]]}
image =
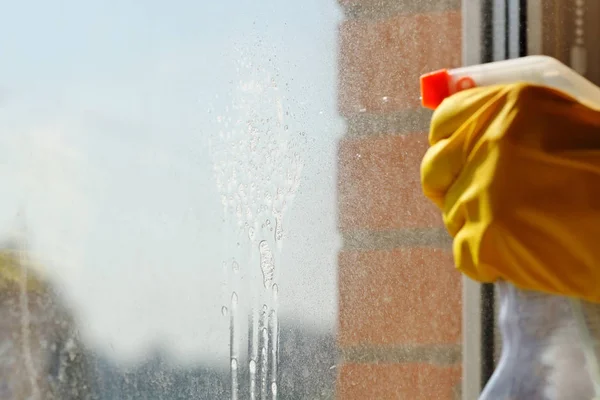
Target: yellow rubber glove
{"points": [[515, 170]]}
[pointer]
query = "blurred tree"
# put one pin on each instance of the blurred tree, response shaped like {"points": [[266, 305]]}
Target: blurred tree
{"points": [[40, 353]]}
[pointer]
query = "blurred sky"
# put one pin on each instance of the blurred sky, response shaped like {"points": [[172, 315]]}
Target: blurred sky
{"points": [[115, 116]]}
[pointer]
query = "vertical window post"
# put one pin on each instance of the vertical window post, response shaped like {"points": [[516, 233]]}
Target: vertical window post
{"points": [[492, 30]]}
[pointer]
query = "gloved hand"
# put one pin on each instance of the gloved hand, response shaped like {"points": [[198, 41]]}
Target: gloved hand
{"points": [[515, 170]]}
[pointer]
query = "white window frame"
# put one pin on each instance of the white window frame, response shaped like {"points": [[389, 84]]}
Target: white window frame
{"points": [[491, 31]]}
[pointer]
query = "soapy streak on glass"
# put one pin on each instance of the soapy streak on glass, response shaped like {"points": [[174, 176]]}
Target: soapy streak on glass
{"points": [[257, 169]]}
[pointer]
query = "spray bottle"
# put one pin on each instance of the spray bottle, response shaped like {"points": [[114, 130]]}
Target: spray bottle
{"points": [[550, 344]]}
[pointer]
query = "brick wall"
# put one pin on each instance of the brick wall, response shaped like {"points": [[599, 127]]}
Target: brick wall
{"points": [[399, 295]]}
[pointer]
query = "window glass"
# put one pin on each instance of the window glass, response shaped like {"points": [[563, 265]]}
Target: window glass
{"points": [[168, 211]]}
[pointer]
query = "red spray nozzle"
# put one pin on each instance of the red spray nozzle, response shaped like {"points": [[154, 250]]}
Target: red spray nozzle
{"points": [[435, 87]]}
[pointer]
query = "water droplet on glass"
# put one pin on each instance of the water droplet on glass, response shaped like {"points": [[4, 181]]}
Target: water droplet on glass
{"points": [[252, 366], [285, 127], [234, 364], [267, 264], [234, 298], [278, 227], [235, 266], [251, 233], [224, 311], [274, 389]]}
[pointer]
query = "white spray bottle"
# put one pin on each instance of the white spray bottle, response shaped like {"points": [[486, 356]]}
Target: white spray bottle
{"points": [[550, 344], [540, 70]]}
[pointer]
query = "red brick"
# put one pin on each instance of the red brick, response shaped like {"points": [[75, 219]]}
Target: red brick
{"points": [[381, 60], [379, 184], [397, 381], [352, 2], [401, 296]]}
